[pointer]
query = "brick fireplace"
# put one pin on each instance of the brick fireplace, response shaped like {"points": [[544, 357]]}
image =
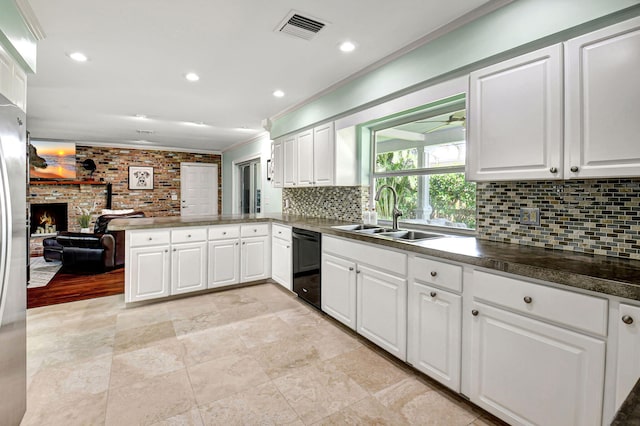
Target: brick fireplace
{"points": [[48, 218]]}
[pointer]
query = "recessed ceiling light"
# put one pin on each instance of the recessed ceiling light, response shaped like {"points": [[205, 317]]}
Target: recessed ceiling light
{"points": [[78, 57], [192, 76], [278, 93], [347, 46]]}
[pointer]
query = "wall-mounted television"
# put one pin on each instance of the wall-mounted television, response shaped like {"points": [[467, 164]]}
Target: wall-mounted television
{"points": [[52, 159]]}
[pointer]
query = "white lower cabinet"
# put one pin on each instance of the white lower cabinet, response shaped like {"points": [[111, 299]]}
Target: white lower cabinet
{"points": [[382, 309], [434, 333], [224, 263], [255, 259], [628, 350], [147, 274], [528, 372], [338, 289], [282, 256], [188, 267]]}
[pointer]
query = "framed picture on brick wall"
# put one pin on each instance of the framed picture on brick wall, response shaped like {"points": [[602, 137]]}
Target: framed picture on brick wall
{"points": [[140, 177]]}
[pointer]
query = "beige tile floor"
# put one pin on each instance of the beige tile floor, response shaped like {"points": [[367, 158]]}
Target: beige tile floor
{"points": [[252, 356]]}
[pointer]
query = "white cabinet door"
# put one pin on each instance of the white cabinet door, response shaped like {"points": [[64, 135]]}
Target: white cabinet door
{"points": [[255, 259], [304, 166], [289, 152], [602, 102], [338, 289], [382, 310], [434, 333], [281, 262], [628, 365], [323, 165], [278, 164], [515, 118], [148, 273], [224, 263], [528, 372], [188, 267]]}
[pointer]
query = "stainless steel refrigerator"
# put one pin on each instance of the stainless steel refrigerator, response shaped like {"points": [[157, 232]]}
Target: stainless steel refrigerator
{"points": [[13, 260]]}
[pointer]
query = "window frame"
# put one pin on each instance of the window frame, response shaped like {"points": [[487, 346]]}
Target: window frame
{"points": [[445, 106]]}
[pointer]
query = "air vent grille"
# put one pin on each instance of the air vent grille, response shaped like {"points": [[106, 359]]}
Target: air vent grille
{"points": [[300, 26]]}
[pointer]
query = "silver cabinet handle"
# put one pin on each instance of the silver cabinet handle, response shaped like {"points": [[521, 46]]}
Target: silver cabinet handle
{"points": [[475, 312], [574, 169], [305, 290], [527, 299], [432, 294], [553, 170], [627, 319], [434, 273]]}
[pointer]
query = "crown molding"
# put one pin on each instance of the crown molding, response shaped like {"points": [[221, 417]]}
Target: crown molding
{"points": [[248, 141], [30, 19], [485, 9], [144, 147]]}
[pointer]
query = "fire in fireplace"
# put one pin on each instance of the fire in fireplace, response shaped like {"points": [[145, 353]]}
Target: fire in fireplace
{"points": [[48, 218]]}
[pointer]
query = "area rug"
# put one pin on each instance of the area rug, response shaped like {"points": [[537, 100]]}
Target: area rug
{"points": [[41, 271]]}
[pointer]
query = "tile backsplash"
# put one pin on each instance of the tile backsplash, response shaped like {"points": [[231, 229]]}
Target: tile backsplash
{"points": [[590, 216], [333, 202]]}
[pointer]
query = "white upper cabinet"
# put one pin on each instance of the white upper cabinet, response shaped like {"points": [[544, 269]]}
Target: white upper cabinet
{"points": [[323, 153], [278, 164], [290, 153], [602, 102], [13, 80], [515, 118], [304, 163]]}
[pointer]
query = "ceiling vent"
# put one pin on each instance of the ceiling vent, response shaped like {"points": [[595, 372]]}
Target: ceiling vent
{"points": [[300, 26]]}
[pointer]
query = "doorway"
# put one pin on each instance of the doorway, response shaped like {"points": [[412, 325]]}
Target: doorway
{"points": [[250, 187], [198, 189]]}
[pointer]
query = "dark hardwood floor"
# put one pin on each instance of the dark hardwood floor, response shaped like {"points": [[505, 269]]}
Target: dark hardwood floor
{"points": [[66, 287]]}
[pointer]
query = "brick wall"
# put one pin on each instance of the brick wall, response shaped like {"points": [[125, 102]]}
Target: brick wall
{"points": [[113, 166]]}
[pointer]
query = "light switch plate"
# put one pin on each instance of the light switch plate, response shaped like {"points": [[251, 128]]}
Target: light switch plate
{"points": [[529, 216]]}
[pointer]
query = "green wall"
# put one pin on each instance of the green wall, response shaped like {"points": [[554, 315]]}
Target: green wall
{"points": [[518, 27], [271, 197], [16, 37]]}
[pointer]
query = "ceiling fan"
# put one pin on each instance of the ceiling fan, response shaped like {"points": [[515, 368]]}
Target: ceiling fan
{"points": [[455, 117]]}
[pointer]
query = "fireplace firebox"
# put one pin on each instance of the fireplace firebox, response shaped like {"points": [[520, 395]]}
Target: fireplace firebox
{"points": [[48, 218]]}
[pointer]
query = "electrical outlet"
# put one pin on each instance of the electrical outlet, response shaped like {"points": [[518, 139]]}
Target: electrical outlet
{"points": [[529, 216]]}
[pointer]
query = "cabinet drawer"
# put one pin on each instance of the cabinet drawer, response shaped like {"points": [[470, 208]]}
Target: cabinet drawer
{"points": [[224, 232], [149, 238], [437, 273], [282, 232], [575, 310], [254, 230], [188, 235]]}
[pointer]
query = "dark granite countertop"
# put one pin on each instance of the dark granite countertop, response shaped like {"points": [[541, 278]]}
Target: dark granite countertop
{"points": [[602, 274], [629, 412]]}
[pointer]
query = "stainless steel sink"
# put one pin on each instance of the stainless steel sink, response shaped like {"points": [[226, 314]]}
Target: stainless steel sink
{"points": [[411, 235]]}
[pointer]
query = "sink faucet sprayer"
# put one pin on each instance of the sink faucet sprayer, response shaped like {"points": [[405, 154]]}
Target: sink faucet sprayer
{"points": [[396, 213]]}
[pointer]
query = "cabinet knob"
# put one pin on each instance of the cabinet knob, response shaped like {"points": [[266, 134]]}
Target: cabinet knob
{"points": [[351, 268], [434, 273], [150, 238], [288, 246], [475, 312], [175, 249], [224, 233], [236, 243], [553, 170], [627, 319], [166, 251], [357, 271], [189, 236], [243, 243], [527, 299], [574, 169], [255, 230], [432, 294]]}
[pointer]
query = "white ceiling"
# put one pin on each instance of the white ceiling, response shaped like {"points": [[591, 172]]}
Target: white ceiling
{"points": [[140, 50]]}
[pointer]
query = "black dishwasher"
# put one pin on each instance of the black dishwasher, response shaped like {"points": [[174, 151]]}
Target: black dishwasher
{"points": [[306, 265]]}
